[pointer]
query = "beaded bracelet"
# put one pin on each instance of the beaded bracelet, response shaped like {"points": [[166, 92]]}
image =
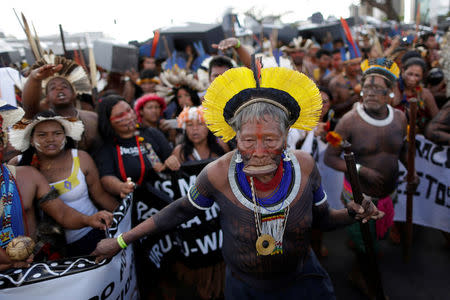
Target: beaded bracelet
{"points": [[121, 242], [238, 44]]}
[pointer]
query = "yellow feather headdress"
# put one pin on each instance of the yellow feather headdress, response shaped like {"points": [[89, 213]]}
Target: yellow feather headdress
{"points": [[71, 71], [290, 90], [382, 67]]}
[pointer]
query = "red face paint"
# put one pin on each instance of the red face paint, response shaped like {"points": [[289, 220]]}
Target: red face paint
{"points": [[261, 144]]}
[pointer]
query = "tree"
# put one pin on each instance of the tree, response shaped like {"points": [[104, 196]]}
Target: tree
{"points": [[385, 6]]}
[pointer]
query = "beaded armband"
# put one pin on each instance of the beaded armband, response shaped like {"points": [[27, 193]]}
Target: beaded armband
{"points": [[198, 200], [319, 196]]}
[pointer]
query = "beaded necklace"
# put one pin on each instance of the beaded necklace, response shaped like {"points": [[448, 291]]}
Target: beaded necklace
{"points": [[245, 198], [279, 193]]}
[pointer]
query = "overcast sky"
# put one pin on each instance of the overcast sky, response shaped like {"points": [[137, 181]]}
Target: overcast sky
{"points": [[136, 20]]}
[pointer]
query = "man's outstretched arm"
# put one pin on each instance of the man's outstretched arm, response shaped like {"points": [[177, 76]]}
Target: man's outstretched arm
{"points": [[168, 218]]}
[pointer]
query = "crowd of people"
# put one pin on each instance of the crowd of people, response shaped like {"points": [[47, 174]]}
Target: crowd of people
{"points": [[69, 158]]}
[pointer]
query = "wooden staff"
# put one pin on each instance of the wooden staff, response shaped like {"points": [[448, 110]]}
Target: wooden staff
{"points": [[374, 272], [63, 41], [410, 177]]}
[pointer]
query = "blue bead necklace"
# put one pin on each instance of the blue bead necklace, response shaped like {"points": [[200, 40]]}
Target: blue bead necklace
{"points": [[279, 193]]}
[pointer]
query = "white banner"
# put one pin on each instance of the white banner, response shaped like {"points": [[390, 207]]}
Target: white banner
{"points": [[81, 278], [331, 179], [431, 204]]}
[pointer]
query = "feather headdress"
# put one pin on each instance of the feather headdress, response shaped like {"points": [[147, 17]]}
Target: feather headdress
{"points": [[291, 91], [177, 77], [383, 67], [20, 134], [70, 71], [298, 44], [174, 79]]}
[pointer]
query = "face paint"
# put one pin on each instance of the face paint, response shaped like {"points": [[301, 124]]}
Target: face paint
{"points": [[38, 146], [63, 144], [260, 145]]}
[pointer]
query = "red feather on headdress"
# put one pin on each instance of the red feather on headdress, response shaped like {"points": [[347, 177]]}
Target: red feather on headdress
{"points": [[154, 43]]}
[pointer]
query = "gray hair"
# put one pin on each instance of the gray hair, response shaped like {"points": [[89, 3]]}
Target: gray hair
{"points": [[260, 111]]}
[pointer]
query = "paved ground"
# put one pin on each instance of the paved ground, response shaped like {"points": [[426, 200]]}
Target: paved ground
{"points": [[426, 277]]}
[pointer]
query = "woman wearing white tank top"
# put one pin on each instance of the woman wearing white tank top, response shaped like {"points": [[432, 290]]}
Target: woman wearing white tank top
{"points": [[48, 144]]}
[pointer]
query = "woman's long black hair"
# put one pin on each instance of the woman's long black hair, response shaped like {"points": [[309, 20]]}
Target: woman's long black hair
{"points": [[104, 108], [194, 98], [27, 155], [211, 140]]}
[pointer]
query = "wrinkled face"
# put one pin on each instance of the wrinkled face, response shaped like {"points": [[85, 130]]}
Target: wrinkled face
{"points": [[352, 68], [261, 144], [48, 138], [324, 61], [336, 61], [184, 98], [375, 95], [413, 76], [325, 104], [123, 118], [149, 63], [60, 92], [216, 71], [148, 87], [151, 111], [196, 131]]}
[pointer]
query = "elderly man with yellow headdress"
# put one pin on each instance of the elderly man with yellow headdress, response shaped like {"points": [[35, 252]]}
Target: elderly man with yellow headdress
{"points": [[269, 197]]}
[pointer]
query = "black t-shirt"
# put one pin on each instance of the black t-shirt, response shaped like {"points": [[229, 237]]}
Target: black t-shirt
{"points": [[108, 162]]}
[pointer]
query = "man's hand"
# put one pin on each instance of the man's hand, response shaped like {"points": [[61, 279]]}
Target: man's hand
{"points": [[320, 130], [45, 71], [412, 187], [106, 248], [366, 211], [226, 44], [133, 75], [100, 220]]}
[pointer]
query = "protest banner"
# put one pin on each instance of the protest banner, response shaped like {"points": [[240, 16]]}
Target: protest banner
{"points": [[432, 198], [197, 242], [78, 278]]}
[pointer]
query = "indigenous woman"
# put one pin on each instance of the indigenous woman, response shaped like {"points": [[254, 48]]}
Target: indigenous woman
{"points": [[149, 110], [133, 157], [410, 86], [47, 143], [199, 143]]}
